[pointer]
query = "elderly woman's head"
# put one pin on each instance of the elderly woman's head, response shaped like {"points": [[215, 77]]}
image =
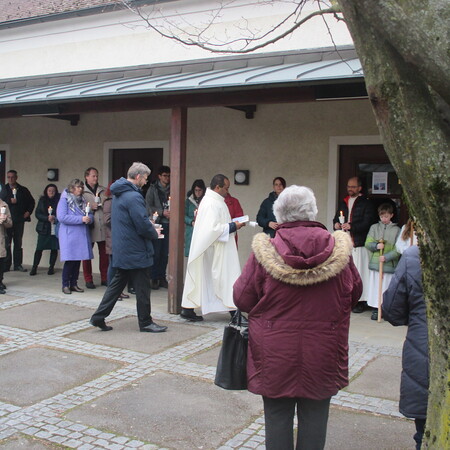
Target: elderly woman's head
{"points": [[294, 204]]}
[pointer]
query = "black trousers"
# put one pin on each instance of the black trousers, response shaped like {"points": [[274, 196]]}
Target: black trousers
{"points": [[15, 235], [140, 279], [312, 418], [420, 429]]}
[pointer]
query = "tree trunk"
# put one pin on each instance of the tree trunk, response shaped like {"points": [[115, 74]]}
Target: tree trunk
{"points": [[411, 109]]}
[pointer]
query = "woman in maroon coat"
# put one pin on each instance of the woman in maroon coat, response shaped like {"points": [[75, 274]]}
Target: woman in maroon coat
{"points": [[298, 290]]}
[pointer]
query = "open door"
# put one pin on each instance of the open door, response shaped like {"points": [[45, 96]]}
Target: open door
{"points": [[380, 181]]}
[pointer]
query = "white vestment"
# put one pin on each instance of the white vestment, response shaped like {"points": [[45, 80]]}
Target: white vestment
{"points": [[213, 264]]}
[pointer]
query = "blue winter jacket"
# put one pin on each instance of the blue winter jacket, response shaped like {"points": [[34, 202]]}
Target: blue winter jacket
{"points": [[403, 304], [132, 232]]}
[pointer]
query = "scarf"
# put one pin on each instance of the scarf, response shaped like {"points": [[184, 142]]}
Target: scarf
{"points": [[76, 203]]}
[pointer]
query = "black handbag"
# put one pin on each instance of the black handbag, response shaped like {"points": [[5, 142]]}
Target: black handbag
{"points": [[232, 364]]}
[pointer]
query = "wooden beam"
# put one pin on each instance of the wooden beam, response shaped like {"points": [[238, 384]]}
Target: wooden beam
{"points": [[178, 134]]}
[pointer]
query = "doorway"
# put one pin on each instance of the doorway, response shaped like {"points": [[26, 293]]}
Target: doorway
{"points": [[122, 158], [371, 164]]}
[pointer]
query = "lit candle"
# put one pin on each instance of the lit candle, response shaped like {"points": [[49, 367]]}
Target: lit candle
{"points": [[195, 213], [14, 191], [168, 204], [155, 216], [341, 218], [88, 209], [52, 225], [50, 210]]}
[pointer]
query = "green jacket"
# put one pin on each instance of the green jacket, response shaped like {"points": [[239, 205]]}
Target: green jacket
{"points": [[189, 209], [389, 233]]}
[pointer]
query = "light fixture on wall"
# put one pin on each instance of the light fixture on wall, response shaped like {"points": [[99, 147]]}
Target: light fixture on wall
{"points": [[242, 177], [52, 174]]}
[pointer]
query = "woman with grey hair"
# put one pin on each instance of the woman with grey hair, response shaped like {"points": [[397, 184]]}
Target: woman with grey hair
{"points": [[74, 217], [298, 290]]}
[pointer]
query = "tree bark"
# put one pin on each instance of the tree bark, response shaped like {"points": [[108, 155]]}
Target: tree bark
{"points": [[407, 91]]}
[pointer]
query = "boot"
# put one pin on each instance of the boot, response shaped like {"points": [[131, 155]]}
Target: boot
{"points": [[51, 270], [189, 314], [33, 270]]}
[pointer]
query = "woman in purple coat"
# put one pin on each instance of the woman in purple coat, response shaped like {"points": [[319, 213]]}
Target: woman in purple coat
{"points": [[298, 290], [74, 217]]}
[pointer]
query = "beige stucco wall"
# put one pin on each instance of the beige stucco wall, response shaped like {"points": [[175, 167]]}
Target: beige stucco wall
{"points": [[290, 140]]}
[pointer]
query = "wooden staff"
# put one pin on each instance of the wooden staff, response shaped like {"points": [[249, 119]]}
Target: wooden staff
{"points": [[380, 283]]}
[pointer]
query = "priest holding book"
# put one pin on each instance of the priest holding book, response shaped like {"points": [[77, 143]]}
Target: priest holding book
{"points": [[213, 264]]}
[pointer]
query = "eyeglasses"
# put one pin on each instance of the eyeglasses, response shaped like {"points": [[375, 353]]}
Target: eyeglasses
{"points": [[352, 187]]}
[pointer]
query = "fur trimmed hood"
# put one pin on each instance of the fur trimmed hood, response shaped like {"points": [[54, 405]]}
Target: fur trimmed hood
{"points": [[274, 256]]}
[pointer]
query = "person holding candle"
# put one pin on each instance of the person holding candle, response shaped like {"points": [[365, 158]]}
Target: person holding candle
{"points": [[21, 204], [5, 224], [94, 193], [355, 214], [74, 215], [380, 242], [194, 197], [46, 215], [265, 217], [132, 250], [157, 200]]}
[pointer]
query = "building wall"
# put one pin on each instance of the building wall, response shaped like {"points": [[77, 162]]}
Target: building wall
{"points": [[118, 39], [289, 140]]}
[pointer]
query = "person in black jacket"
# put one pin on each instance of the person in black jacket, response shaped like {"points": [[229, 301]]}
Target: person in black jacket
{"points": [[265, 217], [46, 228], [357, 213], [132, 249], [21, 204], [403, 304]]}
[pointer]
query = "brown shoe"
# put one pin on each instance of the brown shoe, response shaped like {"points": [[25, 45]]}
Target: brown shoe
{"points": [[76, 289], [66, 290]]}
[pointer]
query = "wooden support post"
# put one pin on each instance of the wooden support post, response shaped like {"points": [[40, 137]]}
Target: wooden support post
{"points": [[177, 198]]}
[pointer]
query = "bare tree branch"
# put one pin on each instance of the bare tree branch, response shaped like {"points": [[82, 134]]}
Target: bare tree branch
{"points": [[199, 37]]}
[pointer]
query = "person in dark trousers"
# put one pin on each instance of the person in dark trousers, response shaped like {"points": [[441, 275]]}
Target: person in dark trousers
{"points": [[404, 304], [132, 249], [357, 213], [46, 228], [265, 216], [157, 200], [298, 290], [21, 204]]}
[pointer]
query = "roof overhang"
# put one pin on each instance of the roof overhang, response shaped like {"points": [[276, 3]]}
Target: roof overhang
{"points": [[270, 78]]}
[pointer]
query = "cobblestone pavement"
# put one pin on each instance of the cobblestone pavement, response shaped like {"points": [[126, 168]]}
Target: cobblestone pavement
{"points": [[43, 419]]}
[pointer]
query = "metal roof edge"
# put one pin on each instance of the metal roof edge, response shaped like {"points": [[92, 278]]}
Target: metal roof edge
{"points": [[110, 7], [133, 71]]}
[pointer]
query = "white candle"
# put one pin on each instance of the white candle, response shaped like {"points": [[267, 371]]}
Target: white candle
{"points": [[88, 209], [14, 191], [155, 216], [50, 210], [168, 203]]}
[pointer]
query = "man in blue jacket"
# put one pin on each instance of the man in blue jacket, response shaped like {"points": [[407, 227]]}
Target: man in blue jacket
{"points": [[132, 249]]}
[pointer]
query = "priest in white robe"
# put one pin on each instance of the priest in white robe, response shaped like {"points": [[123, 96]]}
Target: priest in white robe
{"points": [[213, 264]]}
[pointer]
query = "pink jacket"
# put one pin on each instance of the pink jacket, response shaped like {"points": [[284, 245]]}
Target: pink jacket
{"points": [[299, 289]]}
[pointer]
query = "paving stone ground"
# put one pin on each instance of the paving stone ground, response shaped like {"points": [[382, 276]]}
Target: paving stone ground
{"points": [[65, 384]]}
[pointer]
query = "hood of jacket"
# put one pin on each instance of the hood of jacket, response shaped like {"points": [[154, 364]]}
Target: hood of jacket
{"points": [[303, 253], [121, 186]]}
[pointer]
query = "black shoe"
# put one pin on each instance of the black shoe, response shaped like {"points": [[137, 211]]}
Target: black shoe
{"points": [[2, 286], [20, 269], [374, 315], [132, 291], [189, 314], [2, 291], [51, 271], [163, 283], [33, 270], [101, 324], [104, 283], [76, 289], [154, 284], [66, 290], [6, 269], [90, 285], [153, 328], [359, 308]]}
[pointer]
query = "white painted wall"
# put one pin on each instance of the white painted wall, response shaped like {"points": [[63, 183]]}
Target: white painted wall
{"points": [[117, 39], [291, 140]]}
